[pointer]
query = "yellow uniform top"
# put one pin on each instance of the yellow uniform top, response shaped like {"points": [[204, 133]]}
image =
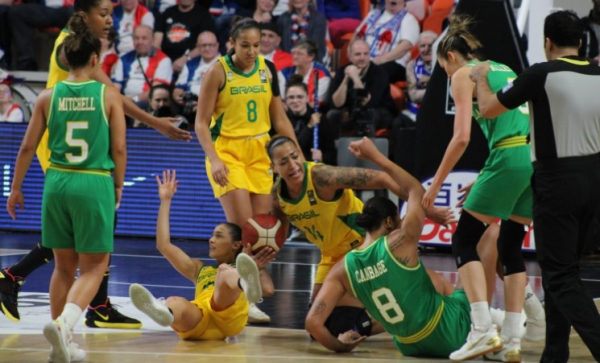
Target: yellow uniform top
{"points": [[205, 283], [58, 73], [242, 107], [330, 225]]}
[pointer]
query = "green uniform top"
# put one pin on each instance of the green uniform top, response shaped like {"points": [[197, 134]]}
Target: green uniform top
{"points": [[79, 135], [510, 128], [402, 298]]}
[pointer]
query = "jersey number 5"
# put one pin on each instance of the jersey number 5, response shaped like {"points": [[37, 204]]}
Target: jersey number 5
{"points": [[74, 142], [387, 305]]}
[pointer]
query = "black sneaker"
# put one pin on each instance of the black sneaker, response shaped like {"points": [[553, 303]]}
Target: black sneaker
{"points": [[106, 316], [9, 293]]}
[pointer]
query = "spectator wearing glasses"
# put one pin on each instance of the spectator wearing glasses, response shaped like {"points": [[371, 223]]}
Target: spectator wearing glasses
{"points": [[190, 79]]}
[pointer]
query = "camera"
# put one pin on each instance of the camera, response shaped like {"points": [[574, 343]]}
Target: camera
{"points": [[189, 102], [360, 115]]}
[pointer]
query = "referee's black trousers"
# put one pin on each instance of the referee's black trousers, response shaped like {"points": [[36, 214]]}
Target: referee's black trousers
{"points": [[566, 198]]}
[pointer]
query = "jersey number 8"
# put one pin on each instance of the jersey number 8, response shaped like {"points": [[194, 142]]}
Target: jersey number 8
{"points": [[386, 303]]}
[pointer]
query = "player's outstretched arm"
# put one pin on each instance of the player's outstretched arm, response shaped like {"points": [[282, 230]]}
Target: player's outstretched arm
{"points": [[164, 125], [180, 260], [332, 291], [35, 130]]}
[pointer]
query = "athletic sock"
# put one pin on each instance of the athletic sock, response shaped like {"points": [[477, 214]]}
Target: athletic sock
{"points": [[511, 327], [71, 314], [102, 294], [37, 257], [532, 306], [480, 316]]}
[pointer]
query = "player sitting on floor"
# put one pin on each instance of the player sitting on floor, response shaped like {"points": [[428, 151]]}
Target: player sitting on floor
{"points": [[220, 306]]}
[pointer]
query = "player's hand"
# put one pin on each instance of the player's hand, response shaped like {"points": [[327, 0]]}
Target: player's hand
{"points": [[220, 172], [466, 189], [167, 128], [118, 196], [351, 339], [364, 149], [168, 186], [479, 71], [262, 257], [429, 197], [315, 119], [441, 215], [317, 155], [15, 198]]}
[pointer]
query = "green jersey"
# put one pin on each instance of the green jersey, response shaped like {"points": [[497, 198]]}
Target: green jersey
{"points": [[404, 300], [502, 131], [78, 130]]}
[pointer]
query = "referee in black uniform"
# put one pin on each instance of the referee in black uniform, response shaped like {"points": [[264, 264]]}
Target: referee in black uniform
{"points": [[564, 95]]}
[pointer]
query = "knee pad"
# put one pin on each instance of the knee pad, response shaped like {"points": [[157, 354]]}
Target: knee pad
{"points": [[466, 237], [509, 247], [344, 318]]}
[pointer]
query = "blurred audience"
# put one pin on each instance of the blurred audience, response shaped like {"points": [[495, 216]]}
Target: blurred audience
{"points": [[360, 94], [303, 21], [127, 16], [418, 72], [269, 46], [343, 17], [9, 111], [23, 20], [178, 28], [161, 105], [304, 119], [390, 32], [263, 12], [187, 87], [589, 46], [303, 54], [137, 71], [109, 53]]}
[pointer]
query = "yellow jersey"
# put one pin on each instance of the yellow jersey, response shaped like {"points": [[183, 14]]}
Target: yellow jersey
{"points": [[330, 225], [205, 283], [242, 107], [58, 73]]}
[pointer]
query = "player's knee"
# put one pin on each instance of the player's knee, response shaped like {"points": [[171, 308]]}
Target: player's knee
{"points": [[344, 318], [509, 247], [465, 239]]}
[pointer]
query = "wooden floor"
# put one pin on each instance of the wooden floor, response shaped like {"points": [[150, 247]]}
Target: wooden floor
{"points": [[283, 340]]}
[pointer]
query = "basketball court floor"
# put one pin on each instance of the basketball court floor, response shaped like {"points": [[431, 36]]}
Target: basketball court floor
{"points": [[283, 340]]}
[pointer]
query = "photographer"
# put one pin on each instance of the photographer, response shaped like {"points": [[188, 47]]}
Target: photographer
{"points": [[360, 93], [161, 105], [187, 87]]}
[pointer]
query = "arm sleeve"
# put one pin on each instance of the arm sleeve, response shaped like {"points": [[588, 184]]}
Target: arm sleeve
{"points": [[274, 78], [522, 89]]}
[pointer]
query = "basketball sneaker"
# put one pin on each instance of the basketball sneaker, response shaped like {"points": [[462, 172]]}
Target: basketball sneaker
{"points": [[510, 352], [257, 316], [478, 343], [9, 294], [249, 275], [76, 354], [107, 316], [57, 334], [535, 329], [147, 304]]}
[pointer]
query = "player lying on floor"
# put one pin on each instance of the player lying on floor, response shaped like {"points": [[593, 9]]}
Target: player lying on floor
{"points": [[220, 306], [423, 311]]}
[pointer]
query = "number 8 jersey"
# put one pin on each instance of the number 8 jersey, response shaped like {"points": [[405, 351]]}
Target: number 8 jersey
{"points": [[78, 129], [242, 107]]}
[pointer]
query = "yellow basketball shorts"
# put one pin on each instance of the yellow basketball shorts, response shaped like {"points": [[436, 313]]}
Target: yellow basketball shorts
{"points": [[218, 325], [331, 256], [248, 163]]}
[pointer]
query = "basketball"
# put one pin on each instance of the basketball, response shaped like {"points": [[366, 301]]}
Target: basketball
{"points": [[263, 230]]}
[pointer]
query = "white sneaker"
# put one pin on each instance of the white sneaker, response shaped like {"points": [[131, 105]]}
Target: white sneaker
{"points": [[248, 271], [478, 343], [510, 352], [77, 355], [146, 303], [535, 329], [57, 334], [257, 316]]}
